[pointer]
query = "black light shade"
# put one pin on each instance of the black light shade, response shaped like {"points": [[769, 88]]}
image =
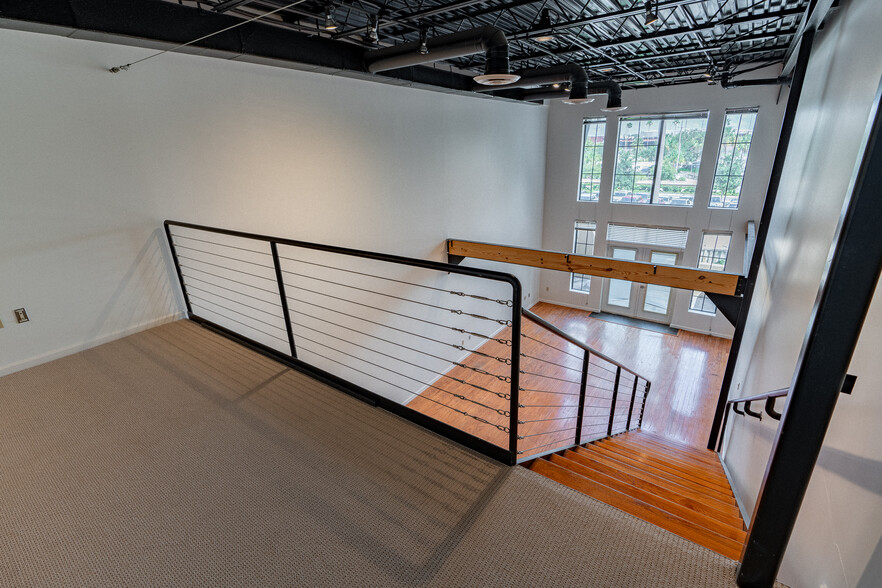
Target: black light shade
{"points": [[651, 16], [544, 25], [330, 23]]}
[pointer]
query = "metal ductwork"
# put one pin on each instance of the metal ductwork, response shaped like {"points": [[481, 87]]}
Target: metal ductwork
{"points": [[488, 39], [579, 91], [533, 78], [727, 83]]}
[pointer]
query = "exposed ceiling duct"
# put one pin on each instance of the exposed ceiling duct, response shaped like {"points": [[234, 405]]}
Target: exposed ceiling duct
{"points": [[579, 91], [482, 39], [579, 94], [569, 73]]}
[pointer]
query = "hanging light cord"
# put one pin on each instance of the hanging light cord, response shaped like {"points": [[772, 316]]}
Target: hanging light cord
{"points": [[119, 68]]}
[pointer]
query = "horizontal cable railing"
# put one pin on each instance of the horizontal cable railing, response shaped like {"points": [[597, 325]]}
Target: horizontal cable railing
{"points": [[439, 344], [570, 393], [436, 343]]}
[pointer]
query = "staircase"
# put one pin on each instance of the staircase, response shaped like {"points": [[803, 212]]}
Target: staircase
{"points": [[677, 487]]}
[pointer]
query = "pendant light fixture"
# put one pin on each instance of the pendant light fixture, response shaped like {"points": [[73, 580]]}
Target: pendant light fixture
{"points": [[651, 16]]}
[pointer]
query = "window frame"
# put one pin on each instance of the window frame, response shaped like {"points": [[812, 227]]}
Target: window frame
{"points": [[698, 295], [730, 112], [597, 162], [662, 119], [584, 279]]}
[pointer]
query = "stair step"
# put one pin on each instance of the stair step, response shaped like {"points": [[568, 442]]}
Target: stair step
{"points": [[623, 455], [673, 450], [688, 530], [696, 501], [656, 438], [709, 472], [730, 530], [667, 479]]}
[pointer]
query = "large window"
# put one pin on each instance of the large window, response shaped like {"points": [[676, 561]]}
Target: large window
{"points": [[657, 159], [592, 159], [732, 159], [583, 244], [713, 255]]}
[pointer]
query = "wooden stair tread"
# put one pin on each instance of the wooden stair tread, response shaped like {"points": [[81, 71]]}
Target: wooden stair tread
{"points": [[621, 454], [690, 499], [654, 437], [667, 479], [730, 530], [673, 450], [710, 472], [688, 530]]}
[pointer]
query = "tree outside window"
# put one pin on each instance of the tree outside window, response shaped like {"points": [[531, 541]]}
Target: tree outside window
{"points": [[658, 159], [592, 159], [732, 158]]}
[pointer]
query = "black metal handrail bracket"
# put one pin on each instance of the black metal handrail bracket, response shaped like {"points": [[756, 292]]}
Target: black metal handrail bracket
{"points": [[608, 398], [768, 398], [364, 322]]}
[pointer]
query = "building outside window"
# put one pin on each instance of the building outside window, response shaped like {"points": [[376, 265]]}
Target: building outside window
{"points": [[592, 159], [583, 244], [713, 255], [658, 158], [732, 158]]}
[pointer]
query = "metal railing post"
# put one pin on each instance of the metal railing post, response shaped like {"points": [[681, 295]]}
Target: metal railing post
{"points": [[174, 254], [586, 358], [643, 404], [612, 408], [631, 405], [515, 371], [290, 330]]}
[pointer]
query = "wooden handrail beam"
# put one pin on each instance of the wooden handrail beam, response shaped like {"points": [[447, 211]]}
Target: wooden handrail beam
{"points": [[634, 271]]}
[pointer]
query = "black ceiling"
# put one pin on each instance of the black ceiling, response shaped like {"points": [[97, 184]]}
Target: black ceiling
{"points": [[609, 38]]}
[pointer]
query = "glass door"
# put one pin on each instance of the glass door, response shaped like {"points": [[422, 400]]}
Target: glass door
{"points": [[620, 294], [655, 302], [644, 301]]}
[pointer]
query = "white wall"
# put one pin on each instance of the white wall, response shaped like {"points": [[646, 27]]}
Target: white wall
{"points": [[562, 184], [836, 540], [92, 163]]}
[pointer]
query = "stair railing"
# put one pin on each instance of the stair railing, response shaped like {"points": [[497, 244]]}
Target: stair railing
{"points": [[435, 343], [768, 399], [557, 410]]}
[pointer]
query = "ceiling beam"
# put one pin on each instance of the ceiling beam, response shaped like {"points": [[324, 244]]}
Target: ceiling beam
{"points": [[671, 33], [647, 273]]}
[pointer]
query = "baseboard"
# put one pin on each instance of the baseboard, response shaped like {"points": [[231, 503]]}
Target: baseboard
{"points": [[59, 353], [700, 331], [568, 305], [745, 514]]}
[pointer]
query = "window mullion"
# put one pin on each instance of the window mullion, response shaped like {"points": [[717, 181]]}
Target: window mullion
{"points": [[656, 177]]}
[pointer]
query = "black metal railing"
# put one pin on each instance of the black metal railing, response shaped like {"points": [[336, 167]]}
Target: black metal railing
{"points": [[429, 341], [582, 392], [768, 398], [438, 344]]}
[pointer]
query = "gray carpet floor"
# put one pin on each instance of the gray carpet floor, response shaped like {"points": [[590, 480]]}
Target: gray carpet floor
{"points": [[175, 457]]}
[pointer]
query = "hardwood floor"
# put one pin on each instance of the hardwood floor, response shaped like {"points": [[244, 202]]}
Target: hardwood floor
{"points": [[673, 486], [685, 371]]}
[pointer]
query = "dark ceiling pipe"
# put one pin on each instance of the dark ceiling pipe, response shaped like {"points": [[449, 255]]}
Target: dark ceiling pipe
{"points": [[532, 78], [727, 83], [489, 39]]}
